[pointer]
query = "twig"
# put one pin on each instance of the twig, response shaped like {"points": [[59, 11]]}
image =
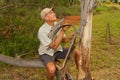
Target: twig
{"points": [[7, 6], [108, 34]]}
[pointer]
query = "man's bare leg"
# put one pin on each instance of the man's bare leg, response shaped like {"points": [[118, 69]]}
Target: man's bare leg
{"points": [[77, 56], [50, 70]]}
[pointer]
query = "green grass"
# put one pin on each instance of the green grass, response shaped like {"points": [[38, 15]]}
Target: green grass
{"points": [[105, 57]]}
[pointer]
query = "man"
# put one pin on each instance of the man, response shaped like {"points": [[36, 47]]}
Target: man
{"points": [[50, 50]]}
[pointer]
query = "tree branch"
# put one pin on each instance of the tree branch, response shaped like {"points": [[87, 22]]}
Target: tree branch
{"points": [[20, 62], [7, 6]]}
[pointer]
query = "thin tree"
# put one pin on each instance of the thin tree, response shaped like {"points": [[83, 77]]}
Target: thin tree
{"points": [[87, 7]]}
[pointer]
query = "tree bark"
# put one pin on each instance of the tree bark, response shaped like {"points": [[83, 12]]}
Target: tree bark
{"points": [[87, 7], [21, 62]]}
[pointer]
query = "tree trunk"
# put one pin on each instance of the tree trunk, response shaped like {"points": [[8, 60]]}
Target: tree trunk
{"points": [[21, 62], [87, 7]]}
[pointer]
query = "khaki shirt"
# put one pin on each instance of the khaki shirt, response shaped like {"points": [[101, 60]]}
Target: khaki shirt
{"points": [[45, 41]]}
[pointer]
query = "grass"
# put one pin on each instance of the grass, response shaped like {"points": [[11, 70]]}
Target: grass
{"points": [[105, 57]]}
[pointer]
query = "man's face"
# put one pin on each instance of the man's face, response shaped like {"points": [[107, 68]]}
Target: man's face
{"points": [[51, 16]]}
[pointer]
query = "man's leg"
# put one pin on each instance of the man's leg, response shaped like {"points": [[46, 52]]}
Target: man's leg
{"points": [[77, 56], [50, 70], [49, 64]]}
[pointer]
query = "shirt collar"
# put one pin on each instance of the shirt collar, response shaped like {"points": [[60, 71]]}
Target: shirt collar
{"points": [[48, 26]]}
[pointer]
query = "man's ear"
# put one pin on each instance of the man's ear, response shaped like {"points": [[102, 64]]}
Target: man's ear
{"points": [[46, 18]]}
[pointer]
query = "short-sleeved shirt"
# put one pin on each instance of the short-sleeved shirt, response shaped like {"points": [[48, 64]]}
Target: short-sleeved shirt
{"points": [[45, 41]]}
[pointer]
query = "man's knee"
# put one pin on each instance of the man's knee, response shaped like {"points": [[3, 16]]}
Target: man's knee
{"points": [[51, 68]]}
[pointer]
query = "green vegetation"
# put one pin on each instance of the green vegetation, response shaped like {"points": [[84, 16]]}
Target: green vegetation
{"points": [[19, 24], [105, 57], [20, 20]]}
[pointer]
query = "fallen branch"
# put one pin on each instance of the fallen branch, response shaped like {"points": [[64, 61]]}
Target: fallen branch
{"points": [[21, 62], [7, 6]]}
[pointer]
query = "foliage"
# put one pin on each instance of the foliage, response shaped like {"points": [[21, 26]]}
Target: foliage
{"points": [[106, 7], [20, 21], [20, 33]]}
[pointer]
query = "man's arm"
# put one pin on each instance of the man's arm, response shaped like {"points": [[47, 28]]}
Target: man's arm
{"points": [[57, 41], [59, 38]]}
